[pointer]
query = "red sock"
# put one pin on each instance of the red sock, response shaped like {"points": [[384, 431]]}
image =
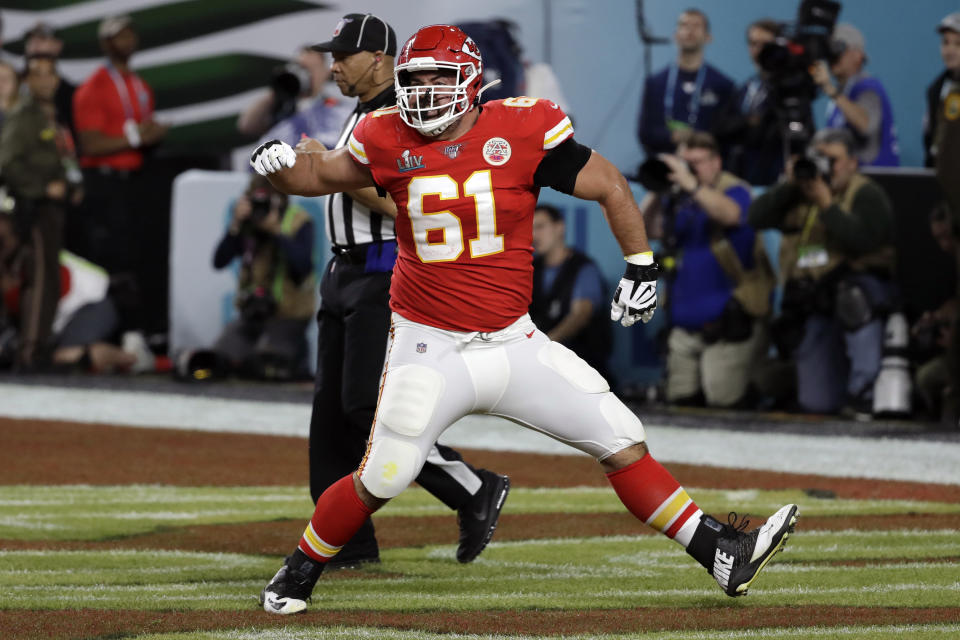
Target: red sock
{"points": [[653, 495], [339, 514]]}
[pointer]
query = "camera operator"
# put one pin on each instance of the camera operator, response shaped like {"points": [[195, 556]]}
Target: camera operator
{"points": [[297, 103], [720, 289], [748, 127], [934, 334], [274, 242], [836, 260], [858, 102]]}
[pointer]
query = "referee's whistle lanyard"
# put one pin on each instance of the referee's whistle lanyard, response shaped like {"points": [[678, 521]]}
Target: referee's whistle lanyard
{"points": [[694, 106], [123, 90]]}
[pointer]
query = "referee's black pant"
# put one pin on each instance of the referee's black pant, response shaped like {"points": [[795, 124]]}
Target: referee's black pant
{"points": [[354, 323]]}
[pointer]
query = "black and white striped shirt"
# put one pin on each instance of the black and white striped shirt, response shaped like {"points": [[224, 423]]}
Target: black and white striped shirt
{"points": [[350, 223]]}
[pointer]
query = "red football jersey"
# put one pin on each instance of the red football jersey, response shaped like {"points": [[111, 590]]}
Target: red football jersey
{"points": [[465, 210]]}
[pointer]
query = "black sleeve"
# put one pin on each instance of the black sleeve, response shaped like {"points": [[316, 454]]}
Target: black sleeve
{"points": [[560, 166]]}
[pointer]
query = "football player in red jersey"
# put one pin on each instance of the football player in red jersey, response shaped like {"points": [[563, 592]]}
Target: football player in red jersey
{"points": [[465, 179]]}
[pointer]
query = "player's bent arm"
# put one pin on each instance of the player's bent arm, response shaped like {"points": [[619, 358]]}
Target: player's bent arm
{"points": [[602, 182], [371, 199], [312, 173]]}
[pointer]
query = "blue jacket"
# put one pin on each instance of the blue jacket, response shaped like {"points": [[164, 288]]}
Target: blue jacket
{"points": [[714, 93], [701, 288], [888, 153]]}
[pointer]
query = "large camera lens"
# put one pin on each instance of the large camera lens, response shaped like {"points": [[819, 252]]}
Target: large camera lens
{"points": [[653, 173]]}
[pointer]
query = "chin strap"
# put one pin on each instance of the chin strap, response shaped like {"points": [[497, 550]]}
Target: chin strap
{"points": [[484, 88]]}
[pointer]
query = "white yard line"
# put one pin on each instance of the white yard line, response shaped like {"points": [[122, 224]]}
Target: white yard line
{"points": [[840, 456]]}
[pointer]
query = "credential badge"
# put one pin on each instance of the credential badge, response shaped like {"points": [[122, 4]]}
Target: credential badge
{"points": [[496, 151]]}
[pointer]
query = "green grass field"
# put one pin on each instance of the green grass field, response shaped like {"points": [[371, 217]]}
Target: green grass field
{"points": [[830, 567]]}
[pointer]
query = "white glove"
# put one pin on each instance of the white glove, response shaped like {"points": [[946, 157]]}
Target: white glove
{"points": [[636, 295], [272, 156]]}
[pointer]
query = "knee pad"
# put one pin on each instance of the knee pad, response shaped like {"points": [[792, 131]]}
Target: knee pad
{"points": [[625, 423], [410, 394], [574, 370], [389, 467]]}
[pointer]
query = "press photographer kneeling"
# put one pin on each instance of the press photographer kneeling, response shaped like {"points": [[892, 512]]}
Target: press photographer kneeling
{"points": [[836, 263], [719, 278], [275, 288]]}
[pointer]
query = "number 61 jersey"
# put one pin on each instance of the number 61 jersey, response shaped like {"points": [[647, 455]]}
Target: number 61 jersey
{"points": [[465, 210]]}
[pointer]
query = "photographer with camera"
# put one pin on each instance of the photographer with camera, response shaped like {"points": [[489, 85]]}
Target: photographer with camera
{"points": [[299, 101], [836, 262], [858, 101], [721, 286], [934, 334], [275, 298]]}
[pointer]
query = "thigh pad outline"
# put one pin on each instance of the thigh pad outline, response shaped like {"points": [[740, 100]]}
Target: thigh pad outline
{"points": [[573, 369], [410, 395]]}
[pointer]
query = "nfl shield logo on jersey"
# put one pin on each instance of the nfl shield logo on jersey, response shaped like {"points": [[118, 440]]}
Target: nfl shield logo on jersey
{"points": [[452, 150], [421, 347], [496, 151]]}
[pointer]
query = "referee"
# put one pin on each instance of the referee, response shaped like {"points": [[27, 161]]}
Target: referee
{"points": [[354, 319]]}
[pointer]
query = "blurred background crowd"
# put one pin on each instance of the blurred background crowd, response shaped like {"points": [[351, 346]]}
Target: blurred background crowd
{"points": [[808, 232]]}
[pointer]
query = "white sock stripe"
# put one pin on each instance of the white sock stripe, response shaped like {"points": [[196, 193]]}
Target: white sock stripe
{"points": [[327, 550], [685, 533], [663, 505]]}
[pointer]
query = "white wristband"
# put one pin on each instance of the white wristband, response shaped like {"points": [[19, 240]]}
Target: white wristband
{"points": [[642, 259], [131, 132]]}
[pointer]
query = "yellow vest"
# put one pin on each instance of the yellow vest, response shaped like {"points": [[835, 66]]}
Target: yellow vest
{"points": [[269, 271], [752, 287], [810, 252]]}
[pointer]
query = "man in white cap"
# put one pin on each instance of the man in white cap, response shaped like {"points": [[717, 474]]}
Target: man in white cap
{"points": [[943, 95], [858, 101]]}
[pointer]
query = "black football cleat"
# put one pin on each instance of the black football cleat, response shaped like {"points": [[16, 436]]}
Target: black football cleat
{"points": [[478, 519]]}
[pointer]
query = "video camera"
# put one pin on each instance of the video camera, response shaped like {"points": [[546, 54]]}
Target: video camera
{"points": [[787, 62], [289, 82]]}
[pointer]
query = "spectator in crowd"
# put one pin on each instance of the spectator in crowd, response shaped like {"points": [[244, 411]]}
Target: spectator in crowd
{"points": [[275, 298], [836, 259], [503, 60], [748, 128], [721, 288], [569, 295], [355, 304], [113, 114], [9, 89], [38, 164], [299, 102], [858, 101], [935, 332], [943, 95], [942, 122], [42, 40], [687, 94], [88, 325]]}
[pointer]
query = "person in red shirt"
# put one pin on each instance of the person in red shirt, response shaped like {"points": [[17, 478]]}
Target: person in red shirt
{"points": [[465, 180], [113, 116]]}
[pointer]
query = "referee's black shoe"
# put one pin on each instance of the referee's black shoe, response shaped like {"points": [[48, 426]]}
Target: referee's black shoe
{"points": [[478, 518]]}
